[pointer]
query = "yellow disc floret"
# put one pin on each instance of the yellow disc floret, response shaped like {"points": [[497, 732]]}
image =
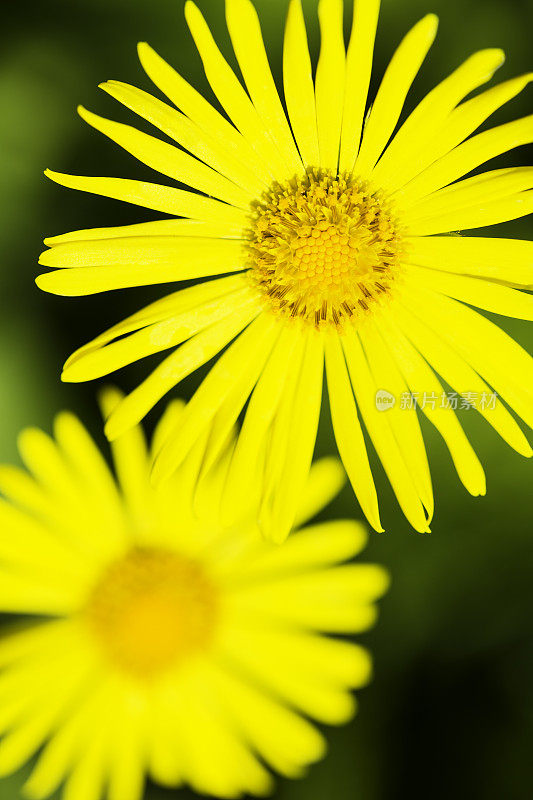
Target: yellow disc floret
{"points": [[323, 248], [151, 610]]}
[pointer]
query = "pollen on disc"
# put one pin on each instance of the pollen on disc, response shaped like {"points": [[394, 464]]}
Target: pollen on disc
{"points": [[323, 248]]}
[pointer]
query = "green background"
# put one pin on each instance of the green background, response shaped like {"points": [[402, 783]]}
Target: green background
{"points": [[450, 710]]}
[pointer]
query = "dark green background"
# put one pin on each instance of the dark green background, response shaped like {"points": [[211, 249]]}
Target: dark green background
{"points": [[450, 710]]}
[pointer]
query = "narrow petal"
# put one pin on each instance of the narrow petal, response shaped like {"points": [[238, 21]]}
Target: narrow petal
{"points": [[381, 435], [160, 227], [403, 422], [245, 32], [130, 456], [298, 84], [186, 359], [463, 379], [330, 81], [306, 550], [140, 251], [232, 96], [186, 133], [466, 157], [234, 401], [431, 113], [421, 378], [476, 191], [29, 595], [126, 748], [489, 296], [285, 740], [253, 342], [463, 121], [337, 600], [173, 304], [218, 762], [200, 111], [390, 98], [348, 433], [358, 72], [508, 260], [154, 338], [44, 550], [261, 410], [91, 468], [21, 743], [169, 160], [273, 457], [322, 699], [491, 212], [165, 199], [90, 267], [301, 441], [506, 366], [325, 481]]}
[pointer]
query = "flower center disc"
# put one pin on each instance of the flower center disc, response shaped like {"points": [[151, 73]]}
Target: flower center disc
{"points": [[151, 610], [323, 248]]}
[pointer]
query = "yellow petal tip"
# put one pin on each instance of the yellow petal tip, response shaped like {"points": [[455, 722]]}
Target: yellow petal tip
{"points": [[431, 22]]}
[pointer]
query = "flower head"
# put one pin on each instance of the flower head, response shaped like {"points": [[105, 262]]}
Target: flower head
{"points": [[159, 643], [326, 229]]}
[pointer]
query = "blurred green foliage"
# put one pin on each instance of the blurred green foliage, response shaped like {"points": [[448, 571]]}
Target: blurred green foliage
{"points": [[450, 710]]}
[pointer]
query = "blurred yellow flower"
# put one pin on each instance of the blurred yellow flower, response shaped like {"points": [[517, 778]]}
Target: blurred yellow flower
{"points": [[337, 226], [167, 646]]}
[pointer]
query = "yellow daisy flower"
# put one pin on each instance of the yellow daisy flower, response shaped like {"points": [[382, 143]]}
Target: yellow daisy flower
{"points": [[334, 225], [168, 646]]}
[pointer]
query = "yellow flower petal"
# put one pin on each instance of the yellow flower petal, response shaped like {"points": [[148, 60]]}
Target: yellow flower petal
{"points": [[298, 84], [300, 441], [247, 40], [176, 303], [186, 133], [393, 90], [464, 380], [169, 160], [489, 186], [466, 157], [325, 700], [326, 479], [160, 227], [358, 72], [285, 740], [381, 435], [403, 422], [97, 266], [261, 410], [497, 259], [200, 111], [166, 199], [506, 366], [330, 81], [195, 352], [231, 94], [492, 212], [306, 550], [348, 433], [463, 121], [421, 378], [403, 153], [490, 296], [155, 338], [251, 347]]}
